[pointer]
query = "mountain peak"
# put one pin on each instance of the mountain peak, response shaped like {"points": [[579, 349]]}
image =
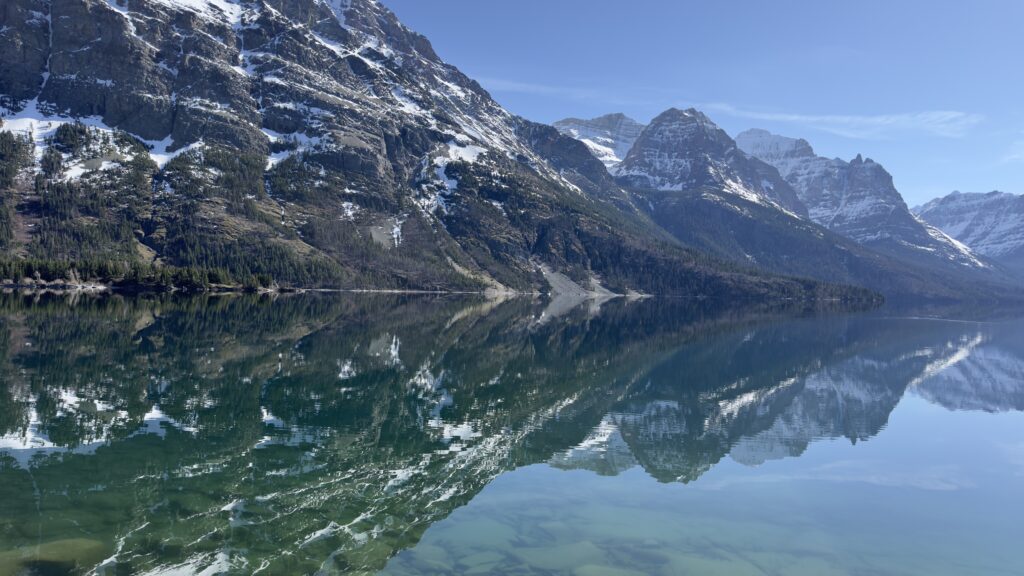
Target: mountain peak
{"points": [[857, 199], [684, 150], [768, 146], [609, 137], [690, 114], [615, 117], [674, 151]]}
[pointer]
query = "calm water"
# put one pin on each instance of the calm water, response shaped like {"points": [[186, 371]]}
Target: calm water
{"points": [[401, 435]]}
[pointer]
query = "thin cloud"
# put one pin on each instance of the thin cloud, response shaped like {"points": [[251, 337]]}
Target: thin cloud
{"points": [[1015, 154], [943, 123], [575, 93], [512, 86]]}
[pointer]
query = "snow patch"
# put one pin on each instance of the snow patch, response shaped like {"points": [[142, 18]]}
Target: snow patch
{"points": [[224, 11]]}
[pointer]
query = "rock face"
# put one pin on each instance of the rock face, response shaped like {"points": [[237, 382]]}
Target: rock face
{"points": [[302, 143], [858, 200], [991, 224], [769, 202], [696, 183], [608, 137], [684, 150]]}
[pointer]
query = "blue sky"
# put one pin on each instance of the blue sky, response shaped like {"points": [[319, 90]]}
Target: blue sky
{"points": [[934, 90]]}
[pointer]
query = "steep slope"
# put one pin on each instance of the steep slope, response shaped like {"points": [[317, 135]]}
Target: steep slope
{"points": [[991, 224], [858, 200], [694, 182], [608, 137], [684, 150], [295, 142]]}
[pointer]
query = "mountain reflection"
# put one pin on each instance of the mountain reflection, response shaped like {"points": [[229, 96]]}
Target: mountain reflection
{"points": [[309, 434]]}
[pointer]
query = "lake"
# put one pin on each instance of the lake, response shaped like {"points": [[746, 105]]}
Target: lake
{"points": [[388, 434]]}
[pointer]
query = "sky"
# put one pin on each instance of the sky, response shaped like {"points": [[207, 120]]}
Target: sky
{"points": [[933, 90]]}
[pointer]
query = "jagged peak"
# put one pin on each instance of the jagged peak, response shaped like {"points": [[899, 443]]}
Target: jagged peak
{"points": [[691, 114], [695, 124]]}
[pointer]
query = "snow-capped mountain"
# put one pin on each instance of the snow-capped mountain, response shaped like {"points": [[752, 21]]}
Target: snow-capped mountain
{"points": [[858, 200], [608, 137], [295, 142], [991, 224], [769, 202], [694, 181], [684, 150]]}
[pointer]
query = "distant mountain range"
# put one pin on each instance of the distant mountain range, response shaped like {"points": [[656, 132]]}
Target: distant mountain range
{"points": [[770, 201], [312, 143]]}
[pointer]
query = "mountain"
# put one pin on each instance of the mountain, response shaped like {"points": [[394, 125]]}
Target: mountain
{"points": [[695, 182], [858, 200], [298, 143], [991, 224], [685, 150], [608, 137]]}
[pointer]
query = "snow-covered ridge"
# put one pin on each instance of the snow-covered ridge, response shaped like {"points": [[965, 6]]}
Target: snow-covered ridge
{"points": [[856, 199], [608, 137], [425, 90], [229, 11], [991, 224], [683, 150], [773, 148]]}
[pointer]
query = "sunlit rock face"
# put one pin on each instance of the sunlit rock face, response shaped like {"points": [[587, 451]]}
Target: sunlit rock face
{"points": [[857, 199], [991, 224], [311, 143], [684, 150], [693, 180], [608, 137]]}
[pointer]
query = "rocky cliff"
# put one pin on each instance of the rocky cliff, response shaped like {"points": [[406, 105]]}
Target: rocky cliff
{"points": [[857, 199], [297, 143]]}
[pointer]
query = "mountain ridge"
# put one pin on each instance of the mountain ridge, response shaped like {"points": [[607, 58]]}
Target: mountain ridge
{"points": [[608, 137], [301, 143], [697, 183], [990, 223], [857, 199]]}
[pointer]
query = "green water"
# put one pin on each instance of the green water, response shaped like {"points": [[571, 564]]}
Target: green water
{"points": [[315, 434]]}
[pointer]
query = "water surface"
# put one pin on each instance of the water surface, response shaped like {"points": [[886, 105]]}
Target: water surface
{"points": [[412, 435]]}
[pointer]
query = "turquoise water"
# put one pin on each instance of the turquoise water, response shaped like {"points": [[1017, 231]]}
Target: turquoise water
{"points": [[411, 435]]}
